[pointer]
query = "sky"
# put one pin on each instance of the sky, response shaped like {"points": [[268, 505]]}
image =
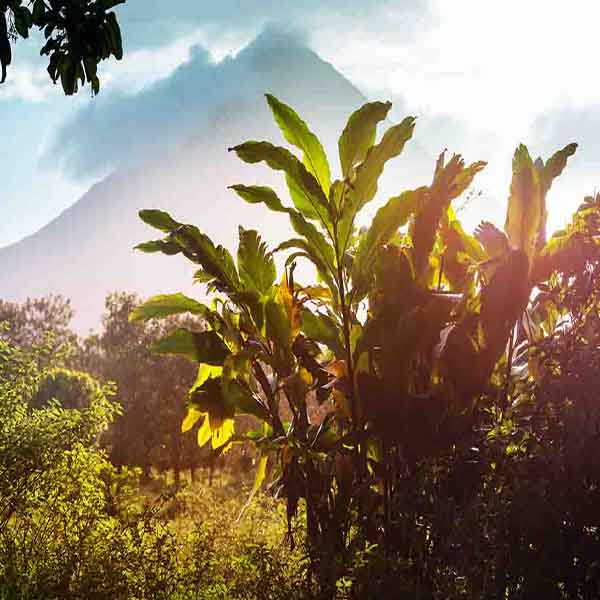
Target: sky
{"points": [[482, 77]]}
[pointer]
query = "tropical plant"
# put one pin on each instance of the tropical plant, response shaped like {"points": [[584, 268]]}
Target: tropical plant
{"points": [[404, 336]]}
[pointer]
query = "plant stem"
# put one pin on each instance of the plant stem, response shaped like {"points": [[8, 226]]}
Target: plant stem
{"points": [[509, 359]]}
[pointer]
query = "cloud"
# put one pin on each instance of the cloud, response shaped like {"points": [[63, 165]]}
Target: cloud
{"points": [[119, 129]]}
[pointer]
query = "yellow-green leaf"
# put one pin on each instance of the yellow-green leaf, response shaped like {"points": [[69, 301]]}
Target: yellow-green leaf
{"points": [[297, 133], [191, 419]]}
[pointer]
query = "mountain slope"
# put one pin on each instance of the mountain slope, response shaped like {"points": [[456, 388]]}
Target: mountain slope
{"points": [[179, 164]]}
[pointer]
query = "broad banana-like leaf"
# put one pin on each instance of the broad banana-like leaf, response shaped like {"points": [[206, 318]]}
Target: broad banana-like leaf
{"points": [[525, 204], [255, 264], [388, 219], [202, 347], [549, 172], [308, 196], [363, 187], [359, 134], [449, 182], [297, 133], [166, 305]]}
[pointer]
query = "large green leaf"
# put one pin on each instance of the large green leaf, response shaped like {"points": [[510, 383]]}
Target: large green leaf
{"points": [[388, 219], [364, 186], [359, 134], [255, 264], [165, 305], [297, 133], [323, 329], [307, 194], [525, 204], [202, 347]]}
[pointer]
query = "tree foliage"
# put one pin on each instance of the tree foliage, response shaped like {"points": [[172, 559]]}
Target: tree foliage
{"points": [[79, 34]]}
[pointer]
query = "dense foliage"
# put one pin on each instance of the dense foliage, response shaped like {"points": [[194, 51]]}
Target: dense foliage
{"points": [[429, 345], [423, 415]]}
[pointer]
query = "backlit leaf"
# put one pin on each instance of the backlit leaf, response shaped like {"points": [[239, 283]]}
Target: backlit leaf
{"points": [[359, 134], [255, 264], [165, 305], [297, 133]]}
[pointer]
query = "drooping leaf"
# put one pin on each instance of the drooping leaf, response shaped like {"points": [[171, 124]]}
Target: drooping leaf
{"points": [[165, 305], [202, 347], [359, 134], [164, 246], [256, 194], [255, 264], [215, 260], [297, 133], [159, 219], [310, 199]]}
